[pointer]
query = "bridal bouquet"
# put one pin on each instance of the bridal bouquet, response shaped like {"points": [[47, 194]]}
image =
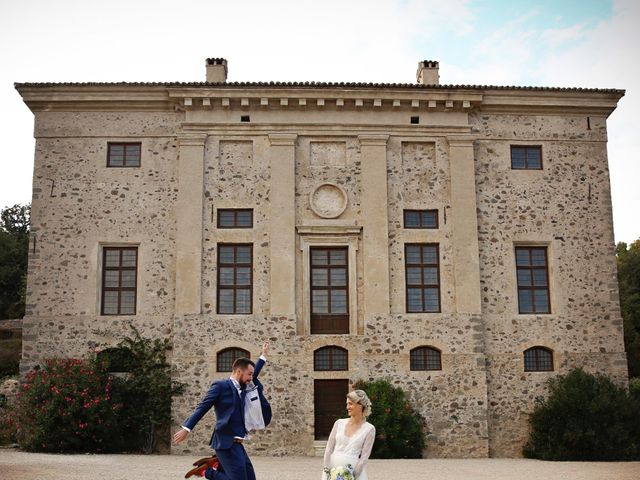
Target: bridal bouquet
{"points": [[340, 473]]}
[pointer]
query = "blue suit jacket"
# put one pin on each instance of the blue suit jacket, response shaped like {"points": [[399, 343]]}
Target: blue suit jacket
{"points": [[224, 398]]}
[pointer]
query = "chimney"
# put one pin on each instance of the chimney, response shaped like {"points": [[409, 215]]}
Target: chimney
{"points": [[216, 70], [428, 72]]}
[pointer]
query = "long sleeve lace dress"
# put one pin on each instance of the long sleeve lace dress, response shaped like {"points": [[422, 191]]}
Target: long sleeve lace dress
{"points": [[354, 450]]}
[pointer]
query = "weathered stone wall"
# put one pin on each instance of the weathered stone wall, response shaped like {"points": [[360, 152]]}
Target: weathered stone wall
{"points": [[79, 205], [418, 178], [236, 176], [333, 160], [565, 206], [453, 401]]}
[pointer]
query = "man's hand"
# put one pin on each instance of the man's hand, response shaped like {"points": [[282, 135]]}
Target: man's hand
{"points": [[265, 348], [180, 436]]}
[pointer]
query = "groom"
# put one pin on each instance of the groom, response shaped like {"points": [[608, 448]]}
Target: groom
{"points": [[227, 397]]}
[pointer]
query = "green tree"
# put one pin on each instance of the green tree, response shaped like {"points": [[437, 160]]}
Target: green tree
{"points": [[14, 244], [584, 418], [628, 259], [399, 428]]}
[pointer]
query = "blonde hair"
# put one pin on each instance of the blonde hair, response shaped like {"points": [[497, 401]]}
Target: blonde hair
{"points": [[360, 396]]}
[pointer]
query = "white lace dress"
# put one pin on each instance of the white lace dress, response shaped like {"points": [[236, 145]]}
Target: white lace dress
{"points": [[354, 450]]}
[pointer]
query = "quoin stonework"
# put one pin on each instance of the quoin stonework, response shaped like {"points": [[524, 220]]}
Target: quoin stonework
{"points": [[454, 239]]}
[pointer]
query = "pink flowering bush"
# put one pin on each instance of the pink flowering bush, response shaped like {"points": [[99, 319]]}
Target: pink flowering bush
{"points": [[68, 406]]}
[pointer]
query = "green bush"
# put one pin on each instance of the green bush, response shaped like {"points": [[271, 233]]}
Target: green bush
{"points": [[67, 406], [7, 423], [399, 428], [75, 405], [585, 417], [146, 389], [634, 388], [10, 352]]}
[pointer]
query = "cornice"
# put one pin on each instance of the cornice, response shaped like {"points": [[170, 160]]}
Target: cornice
{"points": [[252, 97]]}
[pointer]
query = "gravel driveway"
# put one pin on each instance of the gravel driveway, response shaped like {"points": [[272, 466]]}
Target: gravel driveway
{"points": [[16, 465]]}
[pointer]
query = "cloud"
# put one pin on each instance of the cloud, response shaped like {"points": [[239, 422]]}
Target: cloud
{"points": [[558, 36]]}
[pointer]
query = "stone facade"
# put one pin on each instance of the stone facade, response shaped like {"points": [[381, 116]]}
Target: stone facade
{"points": [[332, 165]]}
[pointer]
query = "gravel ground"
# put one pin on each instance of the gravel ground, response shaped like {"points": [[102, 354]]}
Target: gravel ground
{"points": [[20, 465]]}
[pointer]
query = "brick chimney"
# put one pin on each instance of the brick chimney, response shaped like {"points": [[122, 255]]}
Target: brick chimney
{"points": [[216, 70], [428, 72]]}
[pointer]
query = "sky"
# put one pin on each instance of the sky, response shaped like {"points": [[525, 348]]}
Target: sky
{"points": [[553, 43]]}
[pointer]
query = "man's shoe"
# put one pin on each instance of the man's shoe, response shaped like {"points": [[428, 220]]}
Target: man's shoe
{"points": [[202, 465]]}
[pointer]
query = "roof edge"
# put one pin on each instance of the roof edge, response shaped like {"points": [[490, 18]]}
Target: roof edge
{"points": [[274, 84]]}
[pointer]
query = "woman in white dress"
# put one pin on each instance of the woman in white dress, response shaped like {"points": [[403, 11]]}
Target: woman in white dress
{"points": [[352, 438]]}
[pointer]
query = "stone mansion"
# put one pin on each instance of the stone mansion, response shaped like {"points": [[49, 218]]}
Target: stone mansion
{"points": [[455, 239]]}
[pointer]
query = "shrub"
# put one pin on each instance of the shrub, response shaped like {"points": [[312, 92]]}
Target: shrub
{"points": [[7, 424], [399, 428], [81, 406], [146, 390], [67, 406], [10, 352], [634, 388], [585, 417]]}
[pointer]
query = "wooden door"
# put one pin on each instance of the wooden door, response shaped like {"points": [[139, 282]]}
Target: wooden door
{"points": [[329, 399]]}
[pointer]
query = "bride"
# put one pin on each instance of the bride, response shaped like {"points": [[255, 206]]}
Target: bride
{"points": [[351, 438]]}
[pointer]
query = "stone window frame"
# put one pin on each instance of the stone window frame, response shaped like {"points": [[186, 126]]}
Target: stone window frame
{"points": [[125, 145], [235, 352], [422, 286], [330, 316], [526, 148], [102, 272], [538, 362], [234, 287], [425, 350], [235, 223], [529, 246], [328, 236], [331, 350]]}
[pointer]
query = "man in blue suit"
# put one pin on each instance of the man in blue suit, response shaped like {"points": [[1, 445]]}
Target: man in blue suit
{"points": [[227, 397]]}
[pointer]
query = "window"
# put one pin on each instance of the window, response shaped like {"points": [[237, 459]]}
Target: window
{"points": [[329, 290], [425, 358], [123, 154], [422, 277], [226, 357], [119, 280], [421, 219], [533, 280], [235, 218], [526, 157], [330, 358], [235, 278], [538, 359]]}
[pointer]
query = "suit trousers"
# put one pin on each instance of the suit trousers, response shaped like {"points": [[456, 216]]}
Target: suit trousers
{"points": [[235, 463]]}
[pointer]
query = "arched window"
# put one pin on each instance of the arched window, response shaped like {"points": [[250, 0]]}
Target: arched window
{"points": [[425, 358], [226, 357], [331, 358], [538, 359]]}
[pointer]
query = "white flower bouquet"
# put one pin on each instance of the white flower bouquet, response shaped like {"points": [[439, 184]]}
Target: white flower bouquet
{"points": [[340, 473]]}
